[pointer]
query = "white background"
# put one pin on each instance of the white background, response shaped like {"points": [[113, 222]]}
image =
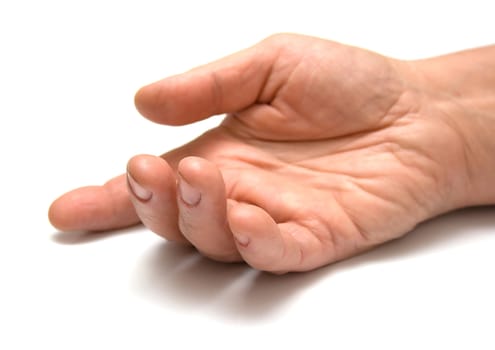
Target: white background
{"points": [[68, 73]]}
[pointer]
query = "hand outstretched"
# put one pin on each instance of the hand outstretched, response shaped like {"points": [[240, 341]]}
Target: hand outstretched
{"points": [[326, 150]]}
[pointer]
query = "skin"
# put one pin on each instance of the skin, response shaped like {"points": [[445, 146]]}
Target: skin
{"points": [[326, 151]]}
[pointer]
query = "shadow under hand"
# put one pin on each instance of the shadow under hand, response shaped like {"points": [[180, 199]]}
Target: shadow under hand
{"points": [[460, 225], [175, 274], [83, 237]]}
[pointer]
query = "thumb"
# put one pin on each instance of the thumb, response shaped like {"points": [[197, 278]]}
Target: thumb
{"points": [[228, 85]]}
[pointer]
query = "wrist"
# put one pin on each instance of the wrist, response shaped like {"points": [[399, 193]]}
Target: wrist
{"points": [[464, 85]]}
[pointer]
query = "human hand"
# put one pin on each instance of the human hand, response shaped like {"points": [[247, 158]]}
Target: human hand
{"points": [[326, 151]]}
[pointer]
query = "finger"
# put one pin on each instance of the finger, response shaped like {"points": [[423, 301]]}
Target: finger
{"points": [[152, 185], [268, 246], [228, 85], [202, 209], [94, 208]]}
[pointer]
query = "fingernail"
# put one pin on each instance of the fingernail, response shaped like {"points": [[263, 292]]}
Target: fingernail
{"points": [[189, 195], [242, 239], [139, 191]]}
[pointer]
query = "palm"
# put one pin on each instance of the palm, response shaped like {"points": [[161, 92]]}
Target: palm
{"points": [[329, 149]]}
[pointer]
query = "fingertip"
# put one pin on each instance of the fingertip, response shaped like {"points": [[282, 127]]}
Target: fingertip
{"points": [[93, 208], [55, 215], [189, 187], [145, 101], [61, 211], [198, 171], [240, 218], [198, 177], [151, 183], [145, 168], [190, 164], [139, 169], [256, 235], [158, 102]]}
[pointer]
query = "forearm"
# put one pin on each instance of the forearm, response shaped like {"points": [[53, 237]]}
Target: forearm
{"points": [[466, 82], [468, 76]]}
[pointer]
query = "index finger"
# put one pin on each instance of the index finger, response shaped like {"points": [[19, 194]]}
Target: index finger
{"points": [[94, 208]]}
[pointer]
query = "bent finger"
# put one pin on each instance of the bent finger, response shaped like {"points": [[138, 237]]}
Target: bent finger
{"points": [[202, 209], [152, 185], [268, 246]]}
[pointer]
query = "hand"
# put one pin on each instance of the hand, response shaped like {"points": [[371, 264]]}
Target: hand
{"points": [[326, 151]]}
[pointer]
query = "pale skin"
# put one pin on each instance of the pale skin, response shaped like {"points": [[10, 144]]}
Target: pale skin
{"points": [[326, 151]]}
